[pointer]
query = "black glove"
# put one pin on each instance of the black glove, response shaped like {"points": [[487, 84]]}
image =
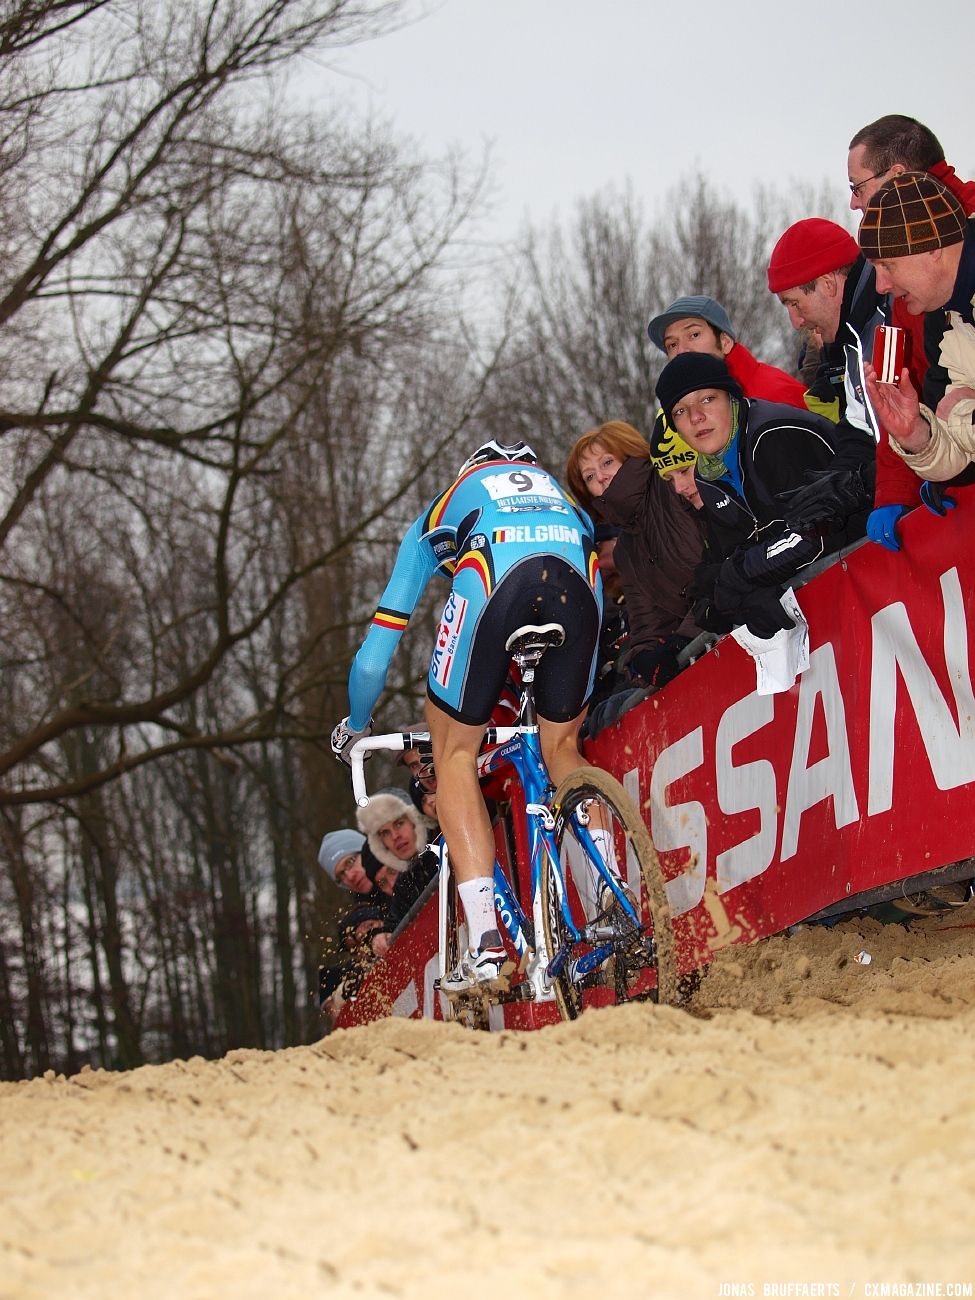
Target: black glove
{"points": [[705, 576], [935, 497], [743, 601], [762, 613], [656, 664], [830, 495], [610, 710], [707, 617], [705, 614]]}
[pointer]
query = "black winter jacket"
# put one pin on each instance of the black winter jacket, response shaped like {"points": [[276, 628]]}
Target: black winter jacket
{"points": [[776, 449]]}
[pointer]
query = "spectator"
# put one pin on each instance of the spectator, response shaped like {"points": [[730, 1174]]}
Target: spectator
{"points": [[750, 453], [817, 271], [424, 801], [365, 932], [365, 935], [916, 234], [878, 152], [614, 631], [820, 276], [674, 461], [418, 761], [395, 830], [397, 834], [699, 324], [611, 474], [340, 857], [384, 878], [893, 145]]}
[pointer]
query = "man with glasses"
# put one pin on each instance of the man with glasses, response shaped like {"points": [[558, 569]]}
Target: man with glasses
{"points": [[891, 146], [340, 857], [917, 235], [879, 152]]}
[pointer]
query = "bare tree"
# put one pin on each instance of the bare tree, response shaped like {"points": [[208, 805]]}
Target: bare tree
{"points": [[210, 277], [586, 291], [232, 365]]}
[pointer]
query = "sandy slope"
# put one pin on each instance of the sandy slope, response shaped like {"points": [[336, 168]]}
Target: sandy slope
{"points": [[809, 1122]]}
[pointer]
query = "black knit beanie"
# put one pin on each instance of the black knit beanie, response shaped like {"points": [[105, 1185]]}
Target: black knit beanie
{"points": [[689, 372]]}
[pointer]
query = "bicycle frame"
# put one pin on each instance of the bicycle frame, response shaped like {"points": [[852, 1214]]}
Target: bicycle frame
{"points": [[519, 747]]}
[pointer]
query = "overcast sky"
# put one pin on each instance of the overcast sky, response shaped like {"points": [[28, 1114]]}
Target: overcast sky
{"points": [[576, 95]]}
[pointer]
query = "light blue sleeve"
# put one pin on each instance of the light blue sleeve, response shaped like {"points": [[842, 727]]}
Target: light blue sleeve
{"points": [[414, 567]]}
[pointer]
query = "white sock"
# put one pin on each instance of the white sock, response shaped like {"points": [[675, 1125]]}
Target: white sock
{"points": [[603, 841], [477, 895]]}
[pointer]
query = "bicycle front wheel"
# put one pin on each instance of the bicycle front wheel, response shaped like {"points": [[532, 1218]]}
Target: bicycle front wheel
{"points": [[599, 954]]}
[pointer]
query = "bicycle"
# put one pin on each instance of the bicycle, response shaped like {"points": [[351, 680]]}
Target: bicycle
{"points": [[593, 938]]}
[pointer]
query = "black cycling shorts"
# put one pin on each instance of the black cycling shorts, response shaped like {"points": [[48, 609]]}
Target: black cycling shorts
{"points": [[470, 662]]}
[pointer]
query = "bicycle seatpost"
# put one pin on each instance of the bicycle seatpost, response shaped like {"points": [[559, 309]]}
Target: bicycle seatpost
{"points": [[526, 646]]}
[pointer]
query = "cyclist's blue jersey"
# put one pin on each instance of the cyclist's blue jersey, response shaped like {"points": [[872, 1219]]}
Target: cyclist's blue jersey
{"points": [[491, 519]]}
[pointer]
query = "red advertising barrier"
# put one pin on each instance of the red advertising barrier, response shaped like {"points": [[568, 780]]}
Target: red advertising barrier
{"points": [[766, 809]]}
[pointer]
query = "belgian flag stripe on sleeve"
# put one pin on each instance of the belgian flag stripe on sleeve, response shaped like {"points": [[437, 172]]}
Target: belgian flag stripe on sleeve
{"points": [[391, 618]]}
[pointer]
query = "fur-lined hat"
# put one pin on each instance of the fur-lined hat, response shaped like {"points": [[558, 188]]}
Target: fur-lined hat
{"points": [[386, 806]]}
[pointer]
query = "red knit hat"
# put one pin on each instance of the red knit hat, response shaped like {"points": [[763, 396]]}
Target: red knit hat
{"points": [[809, 249]]}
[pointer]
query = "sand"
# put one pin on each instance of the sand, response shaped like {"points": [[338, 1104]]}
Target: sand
{"points": [[805, 1129]]}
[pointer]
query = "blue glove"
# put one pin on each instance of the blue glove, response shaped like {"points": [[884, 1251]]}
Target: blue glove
{"points": [[936, 498], [882, 525]]}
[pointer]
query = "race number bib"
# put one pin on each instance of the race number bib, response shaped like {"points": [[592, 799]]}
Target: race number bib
{"points": [[521, 482]]}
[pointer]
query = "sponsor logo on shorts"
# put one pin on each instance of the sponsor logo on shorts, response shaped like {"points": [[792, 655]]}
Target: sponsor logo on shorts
{"points": [[448, 636], [538, 533]]}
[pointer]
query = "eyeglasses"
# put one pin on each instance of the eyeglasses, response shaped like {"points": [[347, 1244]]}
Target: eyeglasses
{"points": [[855, 189], [344, 866]]}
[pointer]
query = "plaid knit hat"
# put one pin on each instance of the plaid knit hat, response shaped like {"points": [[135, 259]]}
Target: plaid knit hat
{"points": [[807, 250], [911, 213], [688, 373], [668, 450], [697, 306]]}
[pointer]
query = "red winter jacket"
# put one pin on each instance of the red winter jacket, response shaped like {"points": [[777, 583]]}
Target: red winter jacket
{"points": [[759, 380]]}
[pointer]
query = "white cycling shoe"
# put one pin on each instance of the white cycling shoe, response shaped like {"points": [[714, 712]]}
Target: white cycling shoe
{"points": [[485, 969]]}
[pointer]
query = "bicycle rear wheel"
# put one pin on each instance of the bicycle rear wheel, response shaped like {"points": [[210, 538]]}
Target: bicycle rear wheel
{"points": [[610, 959]]}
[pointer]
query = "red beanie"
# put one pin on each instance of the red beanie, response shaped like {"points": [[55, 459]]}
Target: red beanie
{"points": [[809, 249]]}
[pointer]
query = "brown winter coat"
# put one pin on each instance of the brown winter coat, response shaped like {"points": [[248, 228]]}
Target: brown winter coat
{"points": [[657, 552]]}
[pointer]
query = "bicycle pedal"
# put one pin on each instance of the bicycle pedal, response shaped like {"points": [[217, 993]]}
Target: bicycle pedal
{"points": [[480, 992]]}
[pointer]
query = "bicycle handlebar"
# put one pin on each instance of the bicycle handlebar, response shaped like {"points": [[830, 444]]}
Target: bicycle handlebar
{"points": [[397, 741]]}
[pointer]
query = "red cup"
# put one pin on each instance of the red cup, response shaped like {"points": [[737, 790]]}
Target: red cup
{"points": [[888, 353]]}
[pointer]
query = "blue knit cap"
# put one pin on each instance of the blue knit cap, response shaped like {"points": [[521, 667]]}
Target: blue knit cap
{"points": [[695, 305], [338, 845]]}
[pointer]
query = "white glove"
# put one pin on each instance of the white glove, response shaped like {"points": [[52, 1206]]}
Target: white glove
{"points": [[343, 738]]}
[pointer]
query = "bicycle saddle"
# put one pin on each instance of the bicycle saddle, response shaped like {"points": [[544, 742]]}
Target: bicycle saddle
{"points": [[534, 638]]}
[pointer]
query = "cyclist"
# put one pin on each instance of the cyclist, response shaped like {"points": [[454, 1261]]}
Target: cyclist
{"points": [[517, 550]]}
